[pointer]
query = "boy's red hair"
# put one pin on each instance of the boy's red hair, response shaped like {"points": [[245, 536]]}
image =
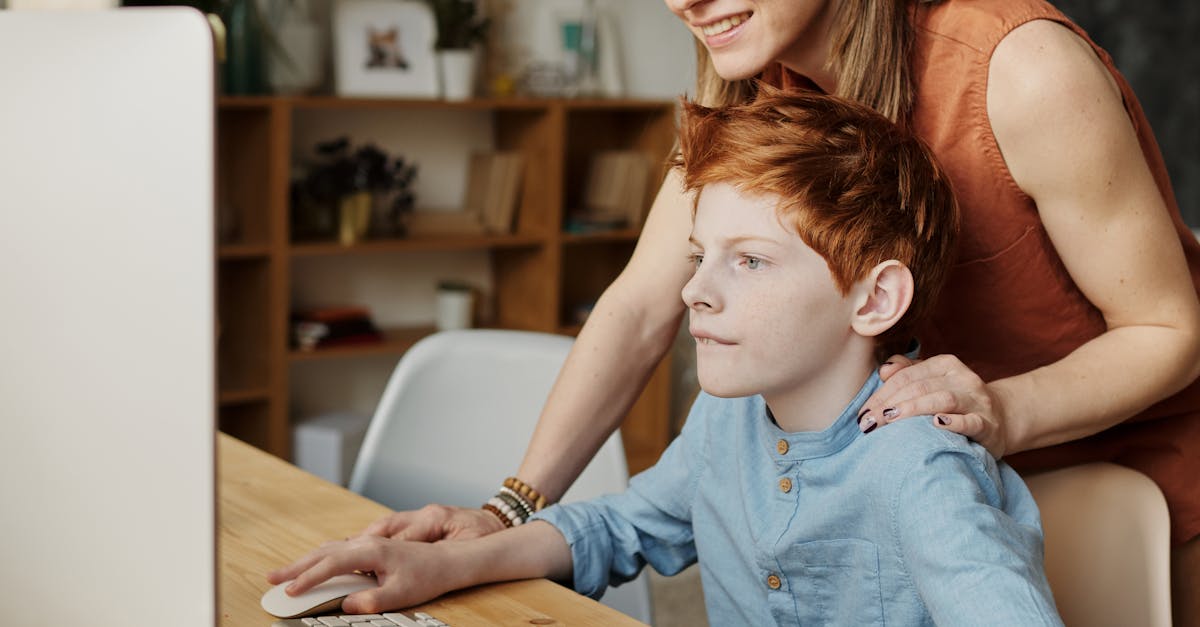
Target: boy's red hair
{"points": [[858, 189]]}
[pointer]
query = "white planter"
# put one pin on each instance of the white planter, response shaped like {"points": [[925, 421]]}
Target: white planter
{"points": [[458, 73]]}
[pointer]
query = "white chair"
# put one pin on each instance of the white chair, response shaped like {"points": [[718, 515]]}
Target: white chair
{"points": [[455, 419], [1107, 545]]}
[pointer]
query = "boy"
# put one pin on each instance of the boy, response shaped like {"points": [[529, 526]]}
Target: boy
{"points": [[821, 235]]}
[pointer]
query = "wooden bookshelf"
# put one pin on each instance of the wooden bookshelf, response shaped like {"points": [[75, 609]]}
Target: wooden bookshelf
{"points": [[540, 275]]}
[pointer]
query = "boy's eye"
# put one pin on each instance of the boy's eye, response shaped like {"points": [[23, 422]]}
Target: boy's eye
{"points": [[752, 262], [695, 259]]}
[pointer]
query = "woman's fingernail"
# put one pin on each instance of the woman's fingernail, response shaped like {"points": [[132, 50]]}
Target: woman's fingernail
{"points": [[943, 420], [863, 413], [890, 412], [889, 363], [868, 425]]}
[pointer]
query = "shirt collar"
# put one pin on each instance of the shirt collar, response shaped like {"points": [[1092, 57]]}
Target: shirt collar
{"points": [[804, 445]]}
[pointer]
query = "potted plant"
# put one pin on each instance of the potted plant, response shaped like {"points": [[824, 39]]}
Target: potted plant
{"points": [[352, 192], [459, 31]]}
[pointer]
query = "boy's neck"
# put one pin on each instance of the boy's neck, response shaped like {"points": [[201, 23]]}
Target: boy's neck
{"points": [[814, 404]]}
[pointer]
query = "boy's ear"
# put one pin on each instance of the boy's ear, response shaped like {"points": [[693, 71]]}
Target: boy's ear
{"points": [[881, 298]]}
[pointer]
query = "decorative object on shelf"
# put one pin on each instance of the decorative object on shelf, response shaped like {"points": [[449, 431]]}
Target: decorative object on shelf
{"points": [[353, 193], [455, 306], [459, 32], [245, 69], [297, 65], [384, 48], [579, 48], [333, 326]]}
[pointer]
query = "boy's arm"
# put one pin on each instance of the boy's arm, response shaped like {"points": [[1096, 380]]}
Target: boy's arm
{"points": [[613, 537], [970, 560], [410, 573]]}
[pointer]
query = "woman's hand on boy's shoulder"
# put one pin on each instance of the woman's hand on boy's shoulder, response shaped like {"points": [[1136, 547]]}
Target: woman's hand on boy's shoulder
{"points": [[943, 387], [435, 522]]}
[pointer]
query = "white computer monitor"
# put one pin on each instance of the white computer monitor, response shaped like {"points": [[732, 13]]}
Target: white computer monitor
{"points": [[107, 318]]}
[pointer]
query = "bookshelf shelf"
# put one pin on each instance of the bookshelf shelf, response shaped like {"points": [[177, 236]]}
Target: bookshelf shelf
{"points": [[243, 396], [540, 276], [422, 244]]}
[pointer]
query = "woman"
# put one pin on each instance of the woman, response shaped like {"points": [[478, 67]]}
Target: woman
{"points": [[1070, 328]]}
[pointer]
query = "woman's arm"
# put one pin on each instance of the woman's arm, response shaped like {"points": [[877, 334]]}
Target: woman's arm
{"points": [[1059, 119], [626, 335]]}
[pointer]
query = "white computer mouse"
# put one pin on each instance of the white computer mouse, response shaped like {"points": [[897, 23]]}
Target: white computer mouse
{"points": [[321, 598]]}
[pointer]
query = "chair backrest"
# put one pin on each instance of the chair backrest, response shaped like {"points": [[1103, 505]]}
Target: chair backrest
{"points": [[1107, 545], [457, 415]]}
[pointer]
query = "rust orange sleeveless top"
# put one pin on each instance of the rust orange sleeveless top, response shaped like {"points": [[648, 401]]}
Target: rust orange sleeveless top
{"points": [[1009, 305]]}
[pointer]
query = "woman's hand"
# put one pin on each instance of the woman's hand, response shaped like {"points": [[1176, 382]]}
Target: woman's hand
{"points": [[435, 522], [942, 387], [408, 573]]}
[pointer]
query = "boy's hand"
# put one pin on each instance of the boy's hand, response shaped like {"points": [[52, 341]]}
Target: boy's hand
{"points": [[941, 386], [408, 573], [435, 522]]}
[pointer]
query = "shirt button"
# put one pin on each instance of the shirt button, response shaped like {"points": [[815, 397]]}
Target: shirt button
{"points": [[773, 582], [782, 447], [785, 485]]}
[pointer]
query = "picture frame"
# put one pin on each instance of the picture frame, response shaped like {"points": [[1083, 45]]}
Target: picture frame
{"points": [[384, 48]]}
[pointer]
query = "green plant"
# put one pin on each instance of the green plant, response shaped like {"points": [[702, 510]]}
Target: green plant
{"points": [[457, 24]]}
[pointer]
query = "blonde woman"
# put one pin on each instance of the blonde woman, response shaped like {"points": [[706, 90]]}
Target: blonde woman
{"points": [[1069, 330]]}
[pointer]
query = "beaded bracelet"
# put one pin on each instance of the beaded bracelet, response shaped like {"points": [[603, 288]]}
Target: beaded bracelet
{"points": [[499, 514], [516, 500], [513, 516], [524, 489]]}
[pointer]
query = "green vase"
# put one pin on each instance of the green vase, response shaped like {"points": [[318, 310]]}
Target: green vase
{"points": [[245, 72]]}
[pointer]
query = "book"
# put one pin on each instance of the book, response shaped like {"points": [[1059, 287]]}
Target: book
{"points": [[494, 182], [616, 186]]}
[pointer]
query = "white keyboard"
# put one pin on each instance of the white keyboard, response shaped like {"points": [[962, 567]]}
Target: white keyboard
{"points": [[392, 619]]}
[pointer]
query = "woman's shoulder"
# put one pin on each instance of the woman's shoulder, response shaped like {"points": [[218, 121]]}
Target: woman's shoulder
{"points": [[979, 25]]}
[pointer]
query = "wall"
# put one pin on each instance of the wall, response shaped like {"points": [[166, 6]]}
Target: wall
{"points": [[1154, 45]]}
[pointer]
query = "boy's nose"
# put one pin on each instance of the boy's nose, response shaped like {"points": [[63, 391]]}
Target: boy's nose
{"points": [[696, 295]]}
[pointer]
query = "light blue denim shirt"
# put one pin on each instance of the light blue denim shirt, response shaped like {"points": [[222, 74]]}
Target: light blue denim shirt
{"points": [[909, 525]]}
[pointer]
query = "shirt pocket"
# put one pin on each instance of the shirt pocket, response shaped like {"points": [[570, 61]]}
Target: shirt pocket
{"points": [[836, 582]]}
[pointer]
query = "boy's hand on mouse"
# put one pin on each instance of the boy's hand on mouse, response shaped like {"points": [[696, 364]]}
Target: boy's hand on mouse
{"points": [[408, 573], [435, 522], [943, 387]]}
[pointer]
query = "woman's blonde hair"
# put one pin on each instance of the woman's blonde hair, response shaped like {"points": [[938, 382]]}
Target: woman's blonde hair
{"points": [[870, 50]]}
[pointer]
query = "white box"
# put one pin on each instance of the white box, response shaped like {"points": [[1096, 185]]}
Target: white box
{"points": [[327, 445]]}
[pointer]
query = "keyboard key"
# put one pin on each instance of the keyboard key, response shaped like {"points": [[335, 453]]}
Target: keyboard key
{"points": [[333, 621], [360, 618], [401, 620]]}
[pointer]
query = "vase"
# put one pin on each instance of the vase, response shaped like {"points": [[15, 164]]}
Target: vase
{"points": [[296, 65], [458, 73], [244, 70], [354, 215]]}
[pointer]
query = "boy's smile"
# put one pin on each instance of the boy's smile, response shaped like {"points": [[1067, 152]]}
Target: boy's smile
{"points": [[764, 309]]}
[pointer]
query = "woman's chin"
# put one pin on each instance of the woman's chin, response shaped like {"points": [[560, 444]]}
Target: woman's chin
{"points": [[736, 67]]}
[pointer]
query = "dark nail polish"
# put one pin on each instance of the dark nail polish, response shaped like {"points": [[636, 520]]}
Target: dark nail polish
{"points": [[942, 420], [863, 413], [871, 427], [890, 413], [889, 363]]}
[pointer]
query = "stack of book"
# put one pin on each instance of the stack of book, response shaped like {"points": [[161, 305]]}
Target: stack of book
{"points": [[333, 326], [616, 187], [492, 196]]}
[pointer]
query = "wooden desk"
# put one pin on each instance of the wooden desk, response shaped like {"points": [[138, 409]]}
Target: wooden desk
{"points": [[271, 512]]}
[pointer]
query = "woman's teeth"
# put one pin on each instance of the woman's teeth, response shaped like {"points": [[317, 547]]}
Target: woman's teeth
{"points": [[716, 28]]}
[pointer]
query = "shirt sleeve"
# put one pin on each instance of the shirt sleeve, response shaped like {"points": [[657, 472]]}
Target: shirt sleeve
{"points": [[613, 537], [972, 545]]}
